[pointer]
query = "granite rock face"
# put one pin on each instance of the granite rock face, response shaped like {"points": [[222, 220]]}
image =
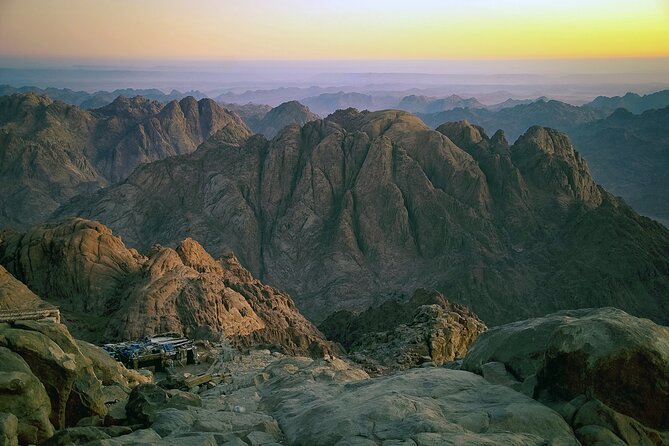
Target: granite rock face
{"points": [[107, 291], [598, 367], [51, 151], [421, 406], [47, 381], [351, 210], [396, 335]]}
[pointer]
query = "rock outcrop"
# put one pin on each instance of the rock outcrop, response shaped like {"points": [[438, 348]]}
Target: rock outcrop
{"points": [[47, 381], [351, 210], [421, 406], [397, 335], [605, 371], [107, 291], [51, 151]]}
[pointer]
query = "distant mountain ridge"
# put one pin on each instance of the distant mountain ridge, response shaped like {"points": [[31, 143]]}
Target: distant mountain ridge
{"points": [[363, 206], [632, 102], [98, 99], [629, 155], [424, 104], [281, 116], [51, 151], [515, 120]]}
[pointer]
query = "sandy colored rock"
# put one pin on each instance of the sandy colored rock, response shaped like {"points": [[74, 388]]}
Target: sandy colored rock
{"points": [[109, 292], [400, 335], [24, 396]]}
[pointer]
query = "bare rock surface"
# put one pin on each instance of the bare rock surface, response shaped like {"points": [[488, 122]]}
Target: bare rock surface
{"points": [[361, 207], [107, 291], [51, 151], [423, 406], [401, 335], [597, 367]]}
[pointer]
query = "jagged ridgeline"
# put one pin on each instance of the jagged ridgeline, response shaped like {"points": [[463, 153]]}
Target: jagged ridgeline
{"points": [[106, 291], [346, 211], [51, 151]]}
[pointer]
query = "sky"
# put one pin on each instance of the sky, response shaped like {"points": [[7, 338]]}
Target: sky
{"points": [[208, 30]]}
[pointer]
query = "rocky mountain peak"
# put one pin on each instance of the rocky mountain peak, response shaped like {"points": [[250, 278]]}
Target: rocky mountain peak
{"points": [[287, 113], [194, 256], [109, 292], [136, 108], [348, 210], [547, 157], [499, 141], [463, 133]]}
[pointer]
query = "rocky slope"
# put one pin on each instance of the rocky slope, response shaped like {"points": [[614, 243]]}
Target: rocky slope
{"points": [[604, 371], [625, 151], [48, 383], [401, 335], [50, 151], [355, 208], [106, 291]]}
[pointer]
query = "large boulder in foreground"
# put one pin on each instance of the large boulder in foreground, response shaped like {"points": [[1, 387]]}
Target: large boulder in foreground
{"points": [[47, 381], [24, 396], [401, 335], [324, 404], [599, 356]]}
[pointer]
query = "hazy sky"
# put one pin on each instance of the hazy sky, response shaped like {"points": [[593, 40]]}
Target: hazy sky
{"points": [[332, 29]]}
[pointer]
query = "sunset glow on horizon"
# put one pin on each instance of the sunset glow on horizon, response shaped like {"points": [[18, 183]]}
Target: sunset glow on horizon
{"points": [[345, 29]]}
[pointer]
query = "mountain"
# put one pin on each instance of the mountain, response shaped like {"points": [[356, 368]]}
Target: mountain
{"points": [[632, 102], [250, 113], [273, 121], [327, 103], [424, 104], [515, 120], [629, 155], [364, 206], [513, 102], [98, 99], [51, 151], [109, 292]]}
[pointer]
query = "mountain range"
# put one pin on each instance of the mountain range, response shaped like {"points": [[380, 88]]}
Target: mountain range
{"points": [[364, 206], [51, 151]]}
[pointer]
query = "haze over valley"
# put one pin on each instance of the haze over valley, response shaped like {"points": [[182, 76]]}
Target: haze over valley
{"points": [[334, 223]]}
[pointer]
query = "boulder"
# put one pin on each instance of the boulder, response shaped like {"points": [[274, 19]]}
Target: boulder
{"points": [[24, 396], [9, 426], [401, 335], [426, 406], [66, 374], [109, 371], [605, 353], [143, 403]]}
